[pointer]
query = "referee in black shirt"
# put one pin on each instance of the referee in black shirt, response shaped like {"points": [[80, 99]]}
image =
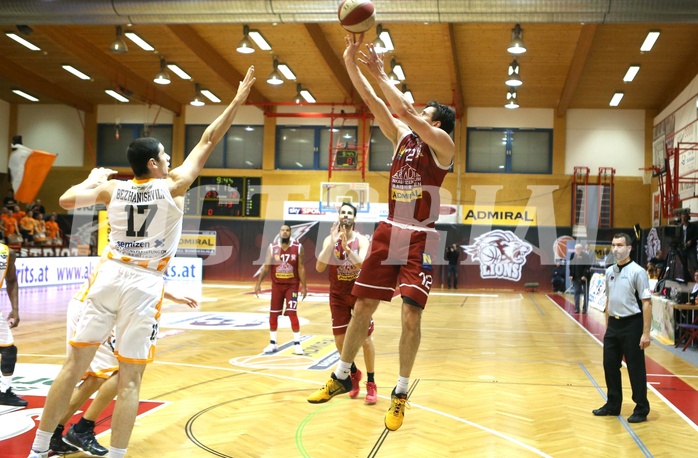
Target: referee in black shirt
{"points": [[628, 320]]}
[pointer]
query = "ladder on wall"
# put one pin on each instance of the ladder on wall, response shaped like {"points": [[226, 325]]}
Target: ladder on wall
{"points": [[579, 206], [605, 181]]}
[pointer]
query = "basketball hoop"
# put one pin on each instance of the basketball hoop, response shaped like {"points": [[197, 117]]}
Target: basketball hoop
{"points": [[647, 174]]}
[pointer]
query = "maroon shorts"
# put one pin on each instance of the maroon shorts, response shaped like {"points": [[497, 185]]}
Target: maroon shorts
{"points": [[341, 306], [397, 258], [283, 292]]}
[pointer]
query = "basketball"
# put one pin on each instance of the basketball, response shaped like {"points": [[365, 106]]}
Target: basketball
{"points": [[356, 16], [489, 255], [560, 246]]}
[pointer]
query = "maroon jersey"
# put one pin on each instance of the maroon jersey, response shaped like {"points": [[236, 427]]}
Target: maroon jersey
{"points": [[284, 263], [342, 271], [415, 179]]}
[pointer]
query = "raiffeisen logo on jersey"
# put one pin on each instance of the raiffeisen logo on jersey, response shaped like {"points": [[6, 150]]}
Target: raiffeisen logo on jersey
{"points": [[501, 254]]}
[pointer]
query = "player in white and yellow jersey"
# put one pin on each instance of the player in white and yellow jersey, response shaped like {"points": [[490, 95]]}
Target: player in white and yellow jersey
{"points": [[8, 350], [145, 215]]}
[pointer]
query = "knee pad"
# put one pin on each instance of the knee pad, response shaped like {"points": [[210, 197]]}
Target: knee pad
{"points": [[9, 359]]}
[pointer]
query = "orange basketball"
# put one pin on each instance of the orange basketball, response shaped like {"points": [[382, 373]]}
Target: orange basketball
{"points": [[560, 246], [356, 16]]}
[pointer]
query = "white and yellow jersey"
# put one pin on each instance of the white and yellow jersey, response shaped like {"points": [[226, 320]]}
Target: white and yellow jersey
{"points": [[4, 261], [146, 223]]}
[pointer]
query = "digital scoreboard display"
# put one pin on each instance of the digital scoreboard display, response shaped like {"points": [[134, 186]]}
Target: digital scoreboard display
{"points": [[222, 196]]}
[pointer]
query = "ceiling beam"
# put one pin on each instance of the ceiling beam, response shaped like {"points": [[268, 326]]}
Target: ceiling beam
{"points": [[119, 74], [454, 69], [581, 53], [31, 82], [335, 65], [213, 60]]}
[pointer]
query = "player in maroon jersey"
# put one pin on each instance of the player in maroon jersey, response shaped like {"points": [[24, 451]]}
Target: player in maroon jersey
{"points": [[402, 246], [285, 260], [344, 251]]}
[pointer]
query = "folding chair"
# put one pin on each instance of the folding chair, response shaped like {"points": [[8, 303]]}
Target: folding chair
{"points": [[689, 332]]}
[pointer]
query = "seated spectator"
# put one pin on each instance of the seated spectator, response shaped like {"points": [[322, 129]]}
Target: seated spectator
{"points": [[18, 214], [659, 263], [37, 207], [40, 229], [27, 227], [53, 233], [558, 280], [11, 228]]}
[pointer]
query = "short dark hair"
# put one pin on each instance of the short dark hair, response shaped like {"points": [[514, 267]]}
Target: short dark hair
{"points": [[139, 152], [445, 114], [348, 204], [623, 235]]}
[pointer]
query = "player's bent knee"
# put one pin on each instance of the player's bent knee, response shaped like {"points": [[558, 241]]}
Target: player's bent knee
{"points": [[9, 359]]}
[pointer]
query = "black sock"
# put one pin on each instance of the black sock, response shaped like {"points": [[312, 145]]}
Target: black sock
{"points": [[353, 368], [370, 377], [84, 426], [58, 432]]}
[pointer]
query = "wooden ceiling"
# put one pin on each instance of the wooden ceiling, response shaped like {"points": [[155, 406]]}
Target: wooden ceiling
{"points": [[567, 65]]}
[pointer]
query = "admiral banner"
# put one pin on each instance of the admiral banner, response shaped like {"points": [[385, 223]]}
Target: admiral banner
{"points": [[499, 215], [199, 243]]}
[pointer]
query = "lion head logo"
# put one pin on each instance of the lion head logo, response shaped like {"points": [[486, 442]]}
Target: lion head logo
{"points": [[501, 254]]}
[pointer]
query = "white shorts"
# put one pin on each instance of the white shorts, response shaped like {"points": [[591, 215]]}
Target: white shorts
{"points": [[6, 339], [104, 363], [128, 298]]}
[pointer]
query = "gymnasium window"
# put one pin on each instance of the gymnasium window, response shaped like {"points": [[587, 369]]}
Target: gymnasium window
{"points": [[112, 152], [380, 152], [510, 150], [308, 147], [240, 148]]}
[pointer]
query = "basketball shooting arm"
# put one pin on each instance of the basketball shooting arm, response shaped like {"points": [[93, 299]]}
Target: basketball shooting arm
{"points": [[429, 131], [12, 290], [392, 128], [183, 176], [96, 189]]}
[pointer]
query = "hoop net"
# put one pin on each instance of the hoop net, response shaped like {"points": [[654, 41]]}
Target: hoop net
{"points": [[647, 175]]}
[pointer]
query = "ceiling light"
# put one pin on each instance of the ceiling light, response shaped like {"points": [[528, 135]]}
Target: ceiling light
{"points": [[615, 100], [631, 73], [22, 41], [75, 71], [249, 129], [397, 68], [116, 95], [383, 41], [196, 101], [286, 71], [177, 70], [118, 46], [274, 77], [517, 45], [396, 74], [139, 41], [210, 95], [649, 40], [407, 93], [307, 96], [514, 79], [245, 46], [162, 76], [512, 102], [259, 40], [298, 98], [25, 95]]}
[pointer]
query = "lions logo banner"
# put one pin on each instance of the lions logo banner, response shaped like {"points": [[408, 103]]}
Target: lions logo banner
{"points": [[501, 254]]}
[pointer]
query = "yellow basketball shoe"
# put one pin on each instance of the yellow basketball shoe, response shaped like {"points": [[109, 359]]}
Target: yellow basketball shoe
{"points": [[396, 412], [332, 388]]}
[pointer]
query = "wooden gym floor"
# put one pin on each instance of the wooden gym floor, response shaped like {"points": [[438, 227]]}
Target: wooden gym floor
{"points": [[499, 374]]}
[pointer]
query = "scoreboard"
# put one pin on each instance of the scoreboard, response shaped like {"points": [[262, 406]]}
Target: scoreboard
{"points": [[224, 196]]}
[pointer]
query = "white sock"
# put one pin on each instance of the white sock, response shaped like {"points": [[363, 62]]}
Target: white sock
{"points": [[41, 441], [117, 452], [403, 385], [5, 382], [297, 336], [343, 370], [272, 336]]}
